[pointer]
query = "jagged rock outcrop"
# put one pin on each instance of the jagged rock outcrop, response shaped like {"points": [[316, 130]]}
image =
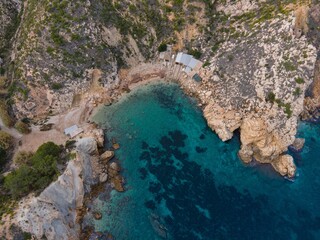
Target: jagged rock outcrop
{"points": [[53, 213], [256, 82], [258, 143], [298, 144], [312, 101], [284, 165]]}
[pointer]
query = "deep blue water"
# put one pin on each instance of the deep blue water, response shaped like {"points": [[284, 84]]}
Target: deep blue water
{"points": [[182, 181]]}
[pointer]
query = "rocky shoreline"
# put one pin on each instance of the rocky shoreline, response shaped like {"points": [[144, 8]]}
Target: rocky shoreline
{"points": [[90, 169], [255, 81], [57, 212]]}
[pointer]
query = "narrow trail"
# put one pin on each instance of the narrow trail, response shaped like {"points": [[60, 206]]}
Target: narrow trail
{"points": [[13, 132]]}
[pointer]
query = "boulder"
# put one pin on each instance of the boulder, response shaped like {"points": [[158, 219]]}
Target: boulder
{"points": [[246, 154], [103, 177], [284, 165], [87, 145], [116, 183], [107, 156], [116, 146], [298, 144], [97, 215], [115, 166]]}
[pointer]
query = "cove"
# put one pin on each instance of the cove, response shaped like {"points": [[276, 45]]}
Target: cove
{"points": [[183, 182]]}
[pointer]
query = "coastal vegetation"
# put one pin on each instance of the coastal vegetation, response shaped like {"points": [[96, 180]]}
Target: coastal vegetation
{"points": [[271, 97], [162, 47], [299, 80], [6, 145], [22, 127], [4, 114], [34, 173]]}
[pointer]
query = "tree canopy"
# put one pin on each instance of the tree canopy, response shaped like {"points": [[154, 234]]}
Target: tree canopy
{"points": [[37, 174]]}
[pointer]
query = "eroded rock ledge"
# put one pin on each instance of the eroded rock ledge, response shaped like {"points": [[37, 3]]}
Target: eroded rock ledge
{"points": [[257, 84], [57, 211]]}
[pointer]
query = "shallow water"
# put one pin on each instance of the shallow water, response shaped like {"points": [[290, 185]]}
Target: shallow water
{"points": [[182, 182]]}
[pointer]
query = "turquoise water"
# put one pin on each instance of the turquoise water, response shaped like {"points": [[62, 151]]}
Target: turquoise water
{"points": [[182, 182]]}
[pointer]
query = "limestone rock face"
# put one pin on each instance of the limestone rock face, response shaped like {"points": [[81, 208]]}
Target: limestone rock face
{"points": [[284, 165], [234, 8], [298, 144], [53, 213], [257, 142], [222, 121], [257, 82]]}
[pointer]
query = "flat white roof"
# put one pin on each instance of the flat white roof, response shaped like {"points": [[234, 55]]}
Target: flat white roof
{"points": [[185, 59], [187, 69], [193, 63], [179, 56], [73, 131]]}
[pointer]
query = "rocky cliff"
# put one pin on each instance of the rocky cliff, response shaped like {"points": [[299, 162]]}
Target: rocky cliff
{"points": [[60, 42], [259, 62], [256, 81], [260, 59], [9, 18], [54, 213]]}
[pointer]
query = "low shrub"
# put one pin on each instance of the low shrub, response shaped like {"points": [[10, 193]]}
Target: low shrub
{"points": [[162, 47], [271, 97], [22, 127], [23, 158], [6, 140], [299, 80], [4, 114]]}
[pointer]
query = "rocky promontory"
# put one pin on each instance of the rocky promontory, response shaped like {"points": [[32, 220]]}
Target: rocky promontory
{"points": [[256, 82], [56, 213]]}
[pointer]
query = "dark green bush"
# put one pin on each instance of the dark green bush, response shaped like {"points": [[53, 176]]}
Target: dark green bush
{"points": [[56, 86], [195, 53], [38, 174], [22, 158], [297, 91], [6, 140], [162, 47], [271, 97], [299, 80]]}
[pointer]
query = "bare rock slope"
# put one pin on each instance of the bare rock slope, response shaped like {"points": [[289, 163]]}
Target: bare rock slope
{"points": [[54, 212], [259, 81]]}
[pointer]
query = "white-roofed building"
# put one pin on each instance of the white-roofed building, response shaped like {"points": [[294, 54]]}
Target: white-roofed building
{"points": [[191, 64], [178, 58], [185, 59], [195, 64], [73, 131]]}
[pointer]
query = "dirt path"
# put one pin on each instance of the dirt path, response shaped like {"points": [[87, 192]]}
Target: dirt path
{"points": [[13, 132]]}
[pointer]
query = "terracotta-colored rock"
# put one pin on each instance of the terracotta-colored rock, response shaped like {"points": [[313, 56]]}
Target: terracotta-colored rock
{"points": [[97, 215], [116, 146], [284, 165]]}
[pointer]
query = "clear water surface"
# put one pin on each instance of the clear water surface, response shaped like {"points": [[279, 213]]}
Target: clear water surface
{"points": [[182, 182]]}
